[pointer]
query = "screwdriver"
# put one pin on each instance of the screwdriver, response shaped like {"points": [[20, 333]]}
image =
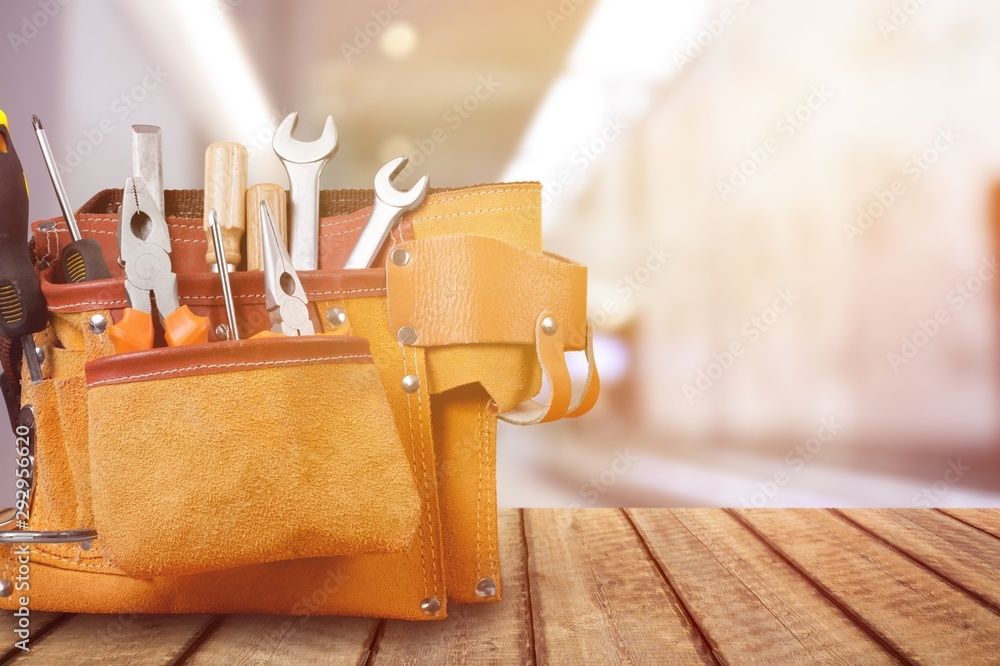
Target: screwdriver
{"points": [[22, 305], [233, 333], [81, 259]]}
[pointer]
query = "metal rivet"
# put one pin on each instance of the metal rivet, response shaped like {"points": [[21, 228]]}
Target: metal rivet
{"points": [[47, 226], [407, 335], [98, 324], [40, 354], [400, 256], [486, 588], [6, 588], [85, 545], [222, 332], [336, 317], [492, 408], [411, 383], [26, 416], [549, 326], [430, 605], [121, 262]]}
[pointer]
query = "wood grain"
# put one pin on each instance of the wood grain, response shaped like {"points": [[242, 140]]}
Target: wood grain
{"points": [[226, 192], [264, 640], [921, 616], [987, 520], [473, 633], [597, 596], [745, 598], [277, 203], [955, 551], [85, 640]]}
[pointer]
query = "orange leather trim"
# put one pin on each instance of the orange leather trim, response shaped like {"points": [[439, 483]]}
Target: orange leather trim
{"points": [[457, 290], [230, 356], [592, 387]]}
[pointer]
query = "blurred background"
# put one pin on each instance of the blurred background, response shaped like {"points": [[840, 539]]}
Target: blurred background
{"points": [[790, 209]]}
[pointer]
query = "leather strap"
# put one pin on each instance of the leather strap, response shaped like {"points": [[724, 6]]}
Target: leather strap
{"points": [[551, 356], [457, 290]]}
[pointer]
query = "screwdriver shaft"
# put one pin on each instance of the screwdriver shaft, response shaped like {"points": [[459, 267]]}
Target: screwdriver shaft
{"points": [[57, 184], [227, 293], [31, 358]]}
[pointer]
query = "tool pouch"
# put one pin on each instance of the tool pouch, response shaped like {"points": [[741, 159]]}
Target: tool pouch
{"points": [[351, 472]]}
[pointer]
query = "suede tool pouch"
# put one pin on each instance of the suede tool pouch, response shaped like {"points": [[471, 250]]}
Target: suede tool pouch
{"points": [[217, 456]]}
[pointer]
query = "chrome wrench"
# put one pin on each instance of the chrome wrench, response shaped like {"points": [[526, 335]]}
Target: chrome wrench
{"points": [[390, 204], [304, 162]]}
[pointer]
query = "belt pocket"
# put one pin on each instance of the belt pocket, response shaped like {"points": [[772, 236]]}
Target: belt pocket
{"points": [[234, 453]]}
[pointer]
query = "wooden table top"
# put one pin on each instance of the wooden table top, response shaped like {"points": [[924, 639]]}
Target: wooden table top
{"points": [[594, 586]]}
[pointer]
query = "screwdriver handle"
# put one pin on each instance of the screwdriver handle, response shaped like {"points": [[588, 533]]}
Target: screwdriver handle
{"points": [[277, 202], [83, 261], [133, 333], [225, 191], [183, 327]]}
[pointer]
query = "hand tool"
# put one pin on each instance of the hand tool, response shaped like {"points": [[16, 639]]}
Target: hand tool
{"points": [[144, 242], [284, 297], [390, 204], [304, 163], [81, 259], [276, 199], [225, 192], [22, 305], [147, 161], [227, 293]]}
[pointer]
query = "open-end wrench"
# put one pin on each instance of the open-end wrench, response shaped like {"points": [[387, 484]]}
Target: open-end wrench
{"points": [[390, 204], [304, 163]]}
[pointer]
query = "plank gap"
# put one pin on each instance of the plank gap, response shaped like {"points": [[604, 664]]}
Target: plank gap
{"points": [[860, 622], [373, 644], [529, 609], [705, 645], [13, 651], [965, 522], [210, 627], [924, 565]]}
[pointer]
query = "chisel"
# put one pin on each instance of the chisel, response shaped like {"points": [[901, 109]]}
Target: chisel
{"points": [[22, 305]]}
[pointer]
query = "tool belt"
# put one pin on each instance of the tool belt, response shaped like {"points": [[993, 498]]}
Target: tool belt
{"points": [[347, 473]]}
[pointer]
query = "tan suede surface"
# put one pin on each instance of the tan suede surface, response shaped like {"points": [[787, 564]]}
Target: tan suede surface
{"points": [[252, 466]]}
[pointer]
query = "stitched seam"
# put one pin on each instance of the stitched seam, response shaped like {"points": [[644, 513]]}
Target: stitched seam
{"points": [[480, 194], [106, 565], [492, 515], [206, 366], [413, 447], [473, 212], [214, 299], [423, 464], [479, 502]]}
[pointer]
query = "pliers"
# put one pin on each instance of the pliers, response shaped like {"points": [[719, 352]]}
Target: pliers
{"points": [[284, 297], [144, 244]]}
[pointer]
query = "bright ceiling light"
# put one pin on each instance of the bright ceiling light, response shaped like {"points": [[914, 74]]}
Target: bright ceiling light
{"points": [[398, 41], [625, 50]]}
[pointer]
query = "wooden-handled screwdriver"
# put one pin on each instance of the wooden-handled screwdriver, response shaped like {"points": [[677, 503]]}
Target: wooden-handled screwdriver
{"points": [[277, 202], [225, 192]]}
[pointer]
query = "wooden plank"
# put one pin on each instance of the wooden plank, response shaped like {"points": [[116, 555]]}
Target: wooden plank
{"points": [[988, 520], [922, 617], [954, 550], [38, 624], [746, 599], [263, 640], [598, 597], [86, 640], [492, 633]]}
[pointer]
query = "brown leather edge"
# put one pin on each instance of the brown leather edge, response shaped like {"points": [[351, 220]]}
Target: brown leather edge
{"points": [[221, 357], [204, 289]]}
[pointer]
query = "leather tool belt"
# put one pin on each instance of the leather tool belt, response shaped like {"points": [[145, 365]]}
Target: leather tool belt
{"points": [[349, 473]]}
